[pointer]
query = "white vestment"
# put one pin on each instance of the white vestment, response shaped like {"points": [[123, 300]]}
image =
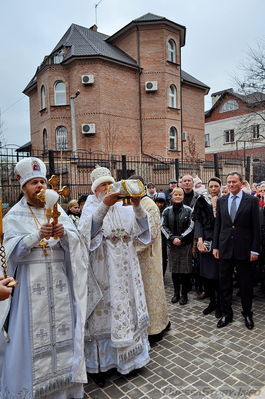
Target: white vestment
{"points": [[116, 331], [43, 324]]}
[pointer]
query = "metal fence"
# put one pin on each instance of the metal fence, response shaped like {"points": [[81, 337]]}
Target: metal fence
{"points": [[74, 170]]}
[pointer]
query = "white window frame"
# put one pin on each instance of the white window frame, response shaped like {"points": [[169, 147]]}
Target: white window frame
{"points": [[255, 131], [171, 50], [207, 140], [61, 138], [59, 93], [45, 140], [229, 136], [58, 57], [43, 97], [173, 139], [172, 96], [230, 105]]}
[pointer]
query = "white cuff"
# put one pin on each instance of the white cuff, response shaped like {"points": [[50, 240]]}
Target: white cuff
{"points": [[139, 212], [100, 212], [31, 240]]}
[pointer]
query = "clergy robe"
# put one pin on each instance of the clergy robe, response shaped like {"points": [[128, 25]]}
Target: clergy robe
{"points": [[116, 331], [150, 258], [43, 324]]}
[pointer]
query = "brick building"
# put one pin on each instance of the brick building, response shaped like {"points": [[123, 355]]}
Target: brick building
{"points": [[124, 93], [235, 125]]}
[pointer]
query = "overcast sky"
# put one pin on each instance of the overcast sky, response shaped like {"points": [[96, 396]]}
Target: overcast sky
{"points": [[219, 34]]}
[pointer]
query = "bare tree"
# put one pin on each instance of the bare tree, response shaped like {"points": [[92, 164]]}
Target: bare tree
{"points": [[191, 153], [251, 84]]}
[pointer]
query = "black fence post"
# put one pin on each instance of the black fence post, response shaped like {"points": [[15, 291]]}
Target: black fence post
{"points": [[177, 169], [216, 166], [247, 169], [123, 167], [51, 163]]}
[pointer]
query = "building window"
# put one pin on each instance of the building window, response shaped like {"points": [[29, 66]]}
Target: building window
{"points": [[58, 57], [229, 136], [255, 131], [43, 97], [230, 105], [45, 140], [172, 96], [59, 93], [207, 140], [61, 137], [171, 50], [173, 138]]}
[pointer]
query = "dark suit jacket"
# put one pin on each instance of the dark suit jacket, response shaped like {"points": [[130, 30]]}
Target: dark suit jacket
{"points": [[236, 240]]}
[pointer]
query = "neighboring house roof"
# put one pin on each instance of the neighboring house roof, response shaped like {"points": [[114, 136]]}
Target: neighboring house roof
{"points": [[150, 19], [251, 100], [79, 41]]}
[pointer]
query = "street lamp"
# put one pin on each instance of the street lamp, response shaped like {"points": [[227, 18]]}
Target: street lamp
{"points": [[73, 123]]}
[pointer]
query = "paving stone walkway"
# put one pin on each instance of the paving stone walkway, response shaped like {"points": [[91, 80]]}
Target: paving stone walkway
{"points": [[196, 360]]}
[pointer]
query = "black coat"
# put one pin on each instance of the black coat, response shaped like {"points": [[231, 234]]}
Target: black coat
{"points": [[203, 218], [177, 223], [236, 240]]}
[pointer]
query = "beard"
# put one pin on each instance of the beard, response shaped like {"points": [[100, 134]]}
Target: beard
{"points": [[33, 200], [101, 196]]}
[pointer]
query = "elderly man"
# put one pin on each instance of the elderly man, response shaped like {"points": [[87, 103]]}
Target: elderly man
{"points": [[44, 322], [116, 332]]}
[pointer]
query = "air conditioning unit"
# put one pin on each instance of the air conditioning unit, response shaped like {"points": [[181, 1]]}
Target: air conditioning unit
{"points": [[88, 128], [87, 79], [184, 136], [151, 86]]}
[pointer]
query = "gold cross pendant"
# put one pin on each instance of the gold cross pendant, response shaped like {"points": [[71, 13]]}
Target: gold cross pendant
{"points": [[43, 244]]}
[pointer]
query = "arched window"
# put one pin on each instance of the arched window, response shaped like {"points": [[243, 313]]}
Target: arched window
{"points": [[45, 140], [173, 138], [43, 97], [61, 139], [172, 96], [59, 93], [171, 50], [230, 105]]}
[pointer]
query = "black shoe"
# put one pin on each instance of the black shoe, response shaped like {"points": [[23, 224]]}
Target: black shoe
{"points": [[99, 379], [183, 300], [224, 321], [175, 298], [218, 313], [210, 308], [248, 321], [168, 326]]}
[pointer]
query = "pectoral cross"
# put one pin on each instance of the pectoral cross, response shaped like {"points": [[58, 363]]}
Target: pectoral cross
{"points": [[64, 192]]}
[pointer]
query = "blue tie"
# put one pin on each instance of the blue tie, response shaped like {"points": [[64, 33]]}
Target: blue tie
{"points": [[233, 208]]}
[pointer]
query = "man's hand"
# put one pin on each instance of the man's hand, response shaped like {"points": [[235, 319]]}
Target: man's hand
{"points": [[111, 199], [202, 247], [253, 257], [216, 253], [5, 291], [176, 241], [58, 230], [135, 201], [46, 230]]}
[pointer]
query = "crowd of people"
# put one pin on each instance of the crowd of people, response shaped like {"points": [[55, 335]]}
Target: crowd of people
{"points": [[91, 292]]}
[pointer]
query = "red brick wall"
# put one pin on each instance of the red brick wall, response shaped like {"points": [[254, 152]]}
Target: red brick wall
{"points": [[112, 102]]}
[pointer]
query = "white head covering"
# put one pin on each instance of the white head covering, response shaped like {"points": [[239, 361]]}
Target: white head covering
{"points": [[29, 168], [100, 175]]}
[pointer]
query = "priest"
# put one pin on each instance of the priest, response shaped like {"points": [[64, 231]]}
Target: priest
{"points": [[43, 324], [116, 331]]}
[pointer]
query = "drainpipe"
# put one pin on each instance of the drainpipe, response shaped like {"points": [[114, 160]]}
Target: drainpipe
{"points": [[139, 91]]}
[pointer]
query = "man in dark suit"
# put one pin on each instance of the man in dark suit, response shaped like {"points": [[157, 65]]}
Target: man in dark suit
{"points": [[236, 242]]}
